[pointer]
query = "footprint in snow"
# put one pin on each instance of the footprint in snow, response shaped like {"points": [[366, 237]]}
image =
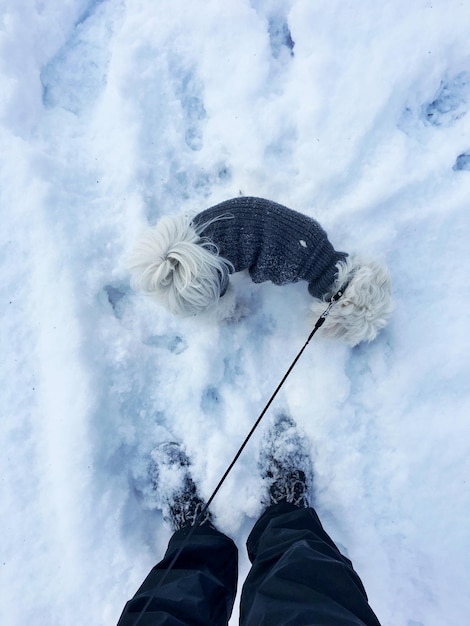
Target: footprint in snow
{"points": [[116, 297], [172, 343], [462, 162], [211, 400], [450, 103], [280, 37]]}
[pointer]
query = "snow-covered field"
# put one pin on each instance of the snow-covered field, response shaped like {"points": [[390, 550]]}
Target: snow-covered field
{"points": [[113, 113]]}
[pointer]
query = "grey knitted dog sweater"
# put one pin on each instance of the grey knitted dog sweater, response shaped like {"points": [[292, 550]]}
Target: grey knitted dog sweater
{"points": [[272, 242]]}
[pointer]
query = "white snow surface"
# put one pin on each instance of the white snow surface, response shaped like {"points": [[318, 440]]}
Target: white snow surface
{"points": [[115, 112]]}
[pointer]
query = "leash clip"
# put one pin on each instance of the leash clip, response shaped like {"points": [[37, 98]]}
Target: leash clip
{"points": [[339, 293]]}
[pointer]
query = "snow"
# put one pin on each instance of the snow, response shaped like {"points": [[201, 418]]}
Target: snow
{"points": [[113, 113]]}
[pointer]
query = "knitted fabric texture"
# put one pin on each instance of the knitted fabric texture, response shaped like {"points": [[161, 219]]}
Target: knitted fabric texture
{"points": [[272, 242]]}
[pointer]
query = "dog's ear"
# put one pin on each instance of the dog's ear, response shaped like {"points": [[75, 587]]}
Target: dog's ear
{"points": [[366, 305]]}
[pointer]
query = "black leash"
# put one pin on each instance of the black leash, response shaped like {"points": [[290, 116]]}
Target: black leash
{"points": [[202, 513]]}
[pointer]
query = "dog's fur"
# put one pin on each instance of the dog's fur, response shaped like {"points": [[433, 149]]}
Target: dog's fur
{"points": [[365, 306], [178, 268], [181, 270]]}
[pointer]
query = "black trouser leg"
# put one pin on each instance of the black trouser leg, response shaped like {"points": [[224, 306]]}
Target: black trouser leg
{"points": [[298, 576], [199, 590]]}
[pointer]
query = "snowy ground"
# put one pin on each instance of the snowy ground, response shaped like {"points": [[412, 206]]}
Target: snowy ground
{"points": [[113, 113]]}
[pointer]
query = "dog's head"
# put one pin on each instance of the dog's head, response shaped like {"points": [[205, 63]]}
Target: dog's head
{"points": [[364, 308]]}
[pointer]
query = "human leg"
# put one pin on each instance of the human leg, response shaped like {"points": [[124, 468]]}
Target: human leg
{"points": [[200, 587], [298, 575]]}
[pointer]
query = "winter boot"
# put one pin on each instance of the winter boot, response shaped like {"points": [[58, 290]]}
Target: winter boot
{"points": [[285, 464], [175, 492]]}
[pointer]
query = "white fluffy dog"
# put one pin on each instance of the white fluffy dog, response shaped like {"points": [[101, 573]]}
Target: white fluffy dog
{"points": [[185, 263]]}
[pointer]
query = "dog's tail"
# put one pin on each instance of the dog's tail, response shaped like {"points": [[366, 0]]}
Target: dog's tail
{"points": [[176, 266], [365, 306]]}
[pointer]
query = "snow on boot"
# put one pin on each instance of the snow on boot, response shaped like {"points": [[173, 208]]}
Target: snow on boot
{"points": [[285, 464], [175, 492]]}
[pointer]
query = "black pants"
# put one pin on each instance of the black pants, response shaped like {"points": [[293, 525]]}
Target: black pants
{"points": [[298, 577]]}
